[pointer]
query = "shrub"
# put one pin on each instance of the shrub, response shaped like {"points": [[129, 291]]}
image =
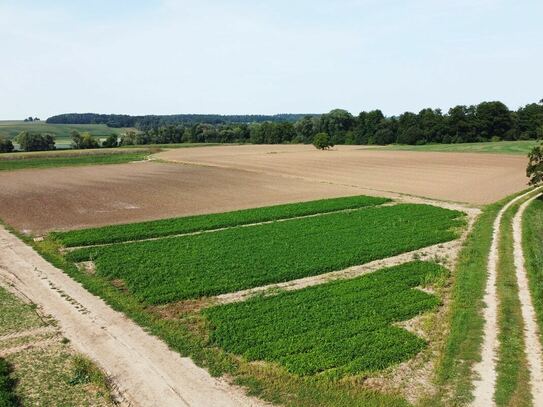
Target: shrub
{"points": [[111, 141], [35, 141], [535, 165], [6, 146]]}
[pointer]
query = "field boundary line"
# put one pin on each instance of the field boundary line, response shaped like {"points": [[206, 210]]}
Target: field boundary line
{"points": [[485, 382], [533, 348]]}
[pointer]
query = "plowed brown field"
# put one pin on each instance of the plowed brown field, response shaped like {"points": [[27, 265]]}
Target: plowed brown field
{"points": [[236, 177], [464, 177], [37, 201]]}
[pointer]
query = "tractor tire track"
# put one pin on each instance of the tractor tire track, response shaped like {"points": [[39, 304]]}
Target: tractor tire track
{"points": [[485, 369], [531, 332]]}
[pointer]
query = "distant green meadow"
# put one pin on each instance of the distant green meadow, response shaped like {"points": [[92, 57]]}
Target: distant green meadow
{"points": [[11, 128], [68, 158], [520, 147]]}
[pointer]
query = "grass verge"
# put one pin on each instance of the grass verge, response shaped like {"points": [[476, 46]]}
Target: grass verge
{"points": [[7, 386], [454, 373], [39, 367], [520, 147], [532, 240], [49, 160]]}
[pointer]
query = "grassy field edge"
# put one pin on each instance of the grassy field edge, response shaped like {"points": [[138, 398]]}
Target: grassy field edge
{"points": [[532, 242], [454, 374]]}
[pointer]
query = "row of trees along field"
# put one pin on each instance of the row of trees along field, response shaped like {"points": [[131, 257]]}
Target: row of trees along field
{"points": [[483, 122]]}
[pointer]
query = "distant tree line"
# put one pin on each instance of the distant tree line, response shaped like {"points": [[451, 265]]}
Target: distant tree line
{"points": [[153, 121], [461, 124]]}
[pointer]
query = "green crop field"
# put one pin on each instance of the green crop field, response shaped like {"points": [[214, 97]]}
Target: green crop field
{"points": [[343, 327], [533, 249], [66, 158], [521, 147], [177, 268], [166, 227]]}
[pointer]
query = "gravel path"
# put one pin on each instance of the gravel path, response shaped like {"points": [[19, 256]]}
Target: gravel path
{"points": [[531, 331], [145, 371], [485, 383]]}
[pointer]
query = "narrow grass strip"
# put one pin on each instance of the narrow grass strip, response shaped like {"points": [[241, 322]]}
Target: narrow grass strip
{"points": [[70, 161], [532, 226], [173, 226], [512, 383]]}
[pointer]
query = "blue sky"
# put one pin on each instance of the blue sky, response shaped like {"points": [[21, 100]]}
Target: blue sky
{"points": [[211, 56]]}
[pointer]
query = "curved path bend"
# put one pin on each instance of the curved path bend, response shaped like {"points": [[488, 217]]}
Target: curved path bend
{"points": [[144, 370]]}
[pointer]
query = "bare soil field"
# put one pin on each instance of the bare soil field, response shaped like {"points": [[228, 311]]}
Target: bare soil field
{"points": [[36, 201], [223, 178], [462, 177]]}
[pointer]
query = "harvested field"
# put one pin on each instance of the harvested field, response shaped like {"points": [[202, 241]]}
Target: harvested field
{"points": [[463, 177], [36, 201]]}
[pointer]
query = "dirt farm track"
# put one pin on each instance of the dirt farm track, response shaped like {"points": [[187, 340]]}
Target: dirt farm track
{"points": [[214, 179]]}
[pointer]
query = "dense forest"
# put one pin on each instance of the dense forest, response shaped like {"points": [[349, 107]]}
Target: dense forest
{"points": [[461, 124], [154, 121]]}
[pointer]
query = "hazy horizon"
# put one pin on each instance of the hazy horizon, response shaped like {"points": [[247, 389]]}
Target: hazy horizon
{"points": [[210, 57]]}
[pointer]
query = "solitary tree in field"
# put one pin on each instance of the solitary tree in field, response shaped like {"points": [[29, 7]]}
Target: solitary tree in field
{"points": [[322, 141], [535, 165]]}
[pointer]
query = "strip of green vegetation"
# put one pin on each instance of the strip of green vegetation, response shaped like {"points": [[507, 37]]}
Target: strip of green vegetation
{"points": [[166, 270], [175, 145], [521, 147], [166, 227], [11, 128], [7, 386], [343, 327], [462, 348], [68, 161], [532, 227], [267, 382], [512, 384]]}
